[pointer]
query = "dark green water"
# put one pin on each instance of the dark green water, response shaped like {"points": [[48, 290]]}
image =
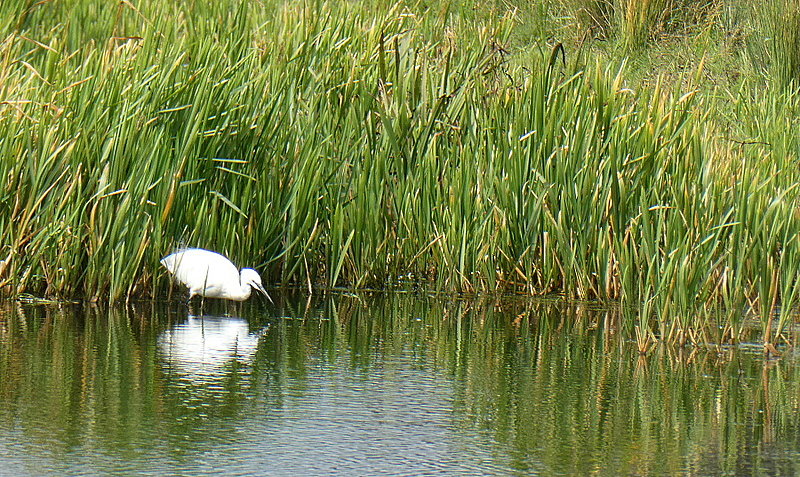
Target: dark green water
{"points": [[398, 385]]}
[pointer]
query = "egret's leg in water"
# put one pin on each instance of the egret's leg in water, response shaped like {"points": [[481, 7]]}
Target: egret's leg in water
{"points": [[190, 305]]}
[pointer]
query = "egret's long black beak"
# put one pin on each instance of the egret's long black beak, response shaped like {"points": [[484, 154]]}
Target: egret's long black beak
{"points": [[261, 289]]}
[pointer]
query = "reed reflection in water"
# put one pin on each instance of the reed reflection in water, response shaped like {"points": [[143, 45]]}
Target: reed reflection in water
{"points": [[393, 384]]}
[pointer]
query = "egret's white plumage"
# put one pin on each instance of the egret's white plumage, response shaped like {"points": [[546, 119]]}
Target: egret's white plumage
{"points": [[211, 275]]}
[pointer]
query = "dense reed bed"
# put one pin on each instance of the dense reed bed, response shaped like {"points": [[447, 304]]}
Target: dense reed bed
{"points": [[343, 144]]}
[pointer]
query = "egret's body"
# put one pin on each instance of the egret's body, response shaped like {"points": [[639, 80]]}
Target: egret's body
{"points": [[211, 275]]}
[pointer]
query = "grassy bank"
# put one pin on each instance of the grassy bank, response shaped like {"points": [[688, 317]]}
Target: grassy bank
{"points": [[369, 144]]}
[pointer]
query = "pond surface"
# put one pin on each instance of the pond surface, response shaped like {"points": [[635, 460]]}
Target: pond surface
{"points": [[388, 385]]}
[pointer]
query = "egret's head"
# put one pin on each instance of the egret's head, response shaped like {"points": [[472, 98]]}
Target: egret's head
{"points": [[252, 278]]}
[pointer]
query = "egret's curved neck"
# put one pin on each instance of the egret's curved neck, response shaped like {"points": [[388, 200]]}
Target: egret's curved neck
{"points": [[244, 291]]}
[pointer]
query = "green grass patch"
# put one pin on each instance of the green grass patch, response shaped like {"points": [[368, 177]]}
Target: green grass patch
{"points": [[366, 144]]}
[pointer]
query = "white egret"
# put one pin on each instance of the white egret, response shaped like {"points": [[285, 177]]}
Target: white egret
{"points": [[211, 275]]}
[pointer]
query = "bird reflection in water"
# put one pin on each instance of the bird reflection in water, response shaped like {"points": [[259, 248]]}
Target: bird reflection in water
{"points": [[202, 346]]}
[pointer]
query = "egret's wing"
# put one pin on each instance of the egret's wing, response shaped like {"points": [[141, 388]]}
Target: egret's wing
{"points": [[200, 269]]}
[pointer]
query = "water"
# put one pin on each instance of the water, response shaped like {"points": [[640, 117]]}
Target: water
{"points": [[391, 385]]}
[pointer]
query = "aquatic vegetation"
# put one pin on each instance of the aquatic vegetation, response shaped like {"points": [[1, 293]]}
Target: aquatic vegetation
{"points": [[363, 145]]}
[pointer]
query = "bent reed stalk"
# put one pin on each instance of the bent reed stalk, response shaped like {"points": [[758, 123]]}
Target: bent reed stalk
{"points": [[350, 146]]}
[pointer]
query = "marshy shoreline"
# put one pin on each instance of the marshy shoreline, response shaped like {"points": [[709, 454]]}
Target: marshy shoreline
{"points": [[643, 156]]}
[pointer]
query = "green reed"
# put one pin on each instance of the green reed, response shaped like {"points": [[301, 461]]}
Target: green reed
{"points": [[363, 146], [632, 24], [775, 49]]}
